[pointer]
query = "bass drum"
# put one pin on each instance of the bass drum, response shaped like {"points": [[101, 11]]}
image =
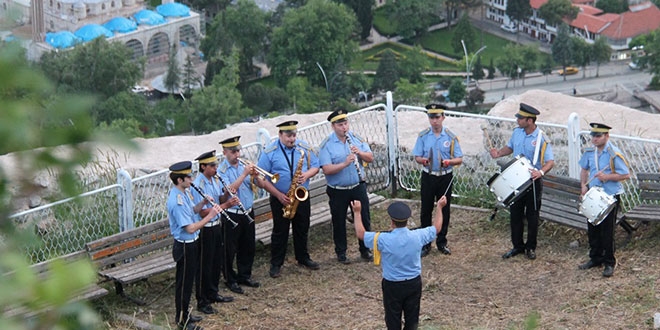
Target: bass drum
{"points": [[596, 204], [513, 182]]}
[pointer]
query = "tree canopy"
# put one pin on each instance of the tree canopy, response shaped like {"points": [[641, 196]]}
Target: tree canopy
{"points": [[318, 32], [554, 11], [413, 17], [562, 52]]}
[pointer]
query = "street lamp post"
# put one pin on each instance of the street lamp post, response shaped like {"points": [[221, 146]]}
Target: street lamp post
{"points": [[468, 63]]}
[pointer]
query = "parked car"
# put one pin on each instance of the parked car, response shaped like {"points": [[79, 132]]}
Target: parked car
{"points": [[509, 28], [634, 66], [569, 70]]}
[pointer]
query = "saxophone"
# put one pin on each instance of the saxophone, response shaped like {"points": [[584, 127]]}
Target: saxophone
{"points": [[296, 193]]}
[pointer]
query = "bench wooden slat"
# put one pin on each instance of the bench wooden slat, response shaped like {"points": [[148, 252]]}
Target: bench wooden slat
{"points": [[112, 239], [560, 201], [120, 257], [649, 185]]}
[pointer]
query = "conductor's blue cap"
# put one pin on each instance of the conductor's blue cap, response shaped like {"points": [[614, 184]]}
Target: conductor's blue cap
{"points": [[399, 211]]}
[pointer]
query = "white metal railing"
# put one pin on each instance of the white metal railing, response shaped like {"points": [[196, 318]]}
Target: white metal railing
{"points": [[65, 226]]}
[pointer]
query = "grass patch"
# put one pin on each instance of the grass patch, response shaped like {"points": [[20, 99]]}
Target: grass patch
{"points": [[368, 58], [382, 24], [438, 41]]}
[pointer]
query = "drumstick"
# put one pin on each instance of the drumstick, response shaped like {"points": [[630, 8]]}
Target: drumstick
{"points": [[449, 185], [601, 171], [490, 143]]}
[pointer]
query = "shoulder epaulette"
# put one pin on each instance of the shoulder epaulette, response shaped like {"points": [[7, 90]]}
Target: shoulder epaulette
{"points": [[223, 168], [358, 138], [190, 194], [589, 149], [303, 144], [323, 142], [424, 132], [179, 199], [270, 148], [450, 133]]}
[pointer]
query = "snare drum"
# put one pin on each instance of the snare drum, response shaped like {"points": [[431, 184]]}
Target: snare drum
{"points": [[596, 204], [513, 182]]}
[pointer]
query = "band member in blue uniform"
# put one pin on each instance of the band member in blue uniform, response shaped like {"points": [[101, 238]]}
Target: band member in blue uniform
{"points": [[438, 150], [341, 157], [527, 140], [240, 240], [400, 250], [603, 166], [211, 240], [285, 157], [185, 227]]}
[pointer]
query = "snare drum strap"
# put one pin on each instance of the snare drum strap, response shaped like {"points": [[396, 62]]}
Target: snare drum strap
{"points": [[539, 139], [376, 251]]}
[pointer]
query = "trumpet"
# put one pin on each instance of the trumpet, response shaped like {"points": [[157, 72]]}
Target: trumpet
{"points": [[262, 173]]}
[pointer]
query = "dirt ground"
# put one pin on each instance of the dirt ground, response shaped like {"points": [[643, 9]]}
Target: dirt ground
{"points": [[473, 288]]}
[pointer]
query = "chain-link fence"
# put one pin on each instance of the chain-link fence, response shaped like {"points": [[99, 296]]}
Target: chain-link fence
{"points": [[65, 226]]}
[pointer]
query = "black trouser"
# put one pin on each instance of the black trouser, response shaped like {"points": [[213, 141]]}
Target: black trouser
{"points": [[280, 233], [186, 256], [601, 238], [403, 296], [528, 206], [339, 202], [432, 189], [210, 264], [239, 242]]}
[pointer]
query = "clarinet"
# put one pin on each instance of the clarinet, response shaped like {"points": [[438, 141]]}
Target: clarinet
{"points": [[355, 161], [233, 223], [240, 204]]}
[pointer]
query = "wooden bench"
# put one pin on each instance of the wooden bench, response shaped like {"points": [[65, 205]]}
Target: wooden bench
{"points": [[133, 255], [559, 204], [649, 193], [42, 270], [320, 211]]}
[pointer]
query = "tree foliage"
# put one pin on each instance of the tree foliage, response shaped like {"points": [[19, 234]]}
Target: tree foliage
{"points": [[364, 12], [413, 17], [257, 98], [46, 131], [601, 52], [413, 65], [220, 103], [411, 93], [612, 6], [172, 78], [581, 53], [457, 91], [554, 11], [306, 97], [518, 10], [562, 53], [387, 73], [97, 67], [464, 31], [478, 69], [318, 32]]}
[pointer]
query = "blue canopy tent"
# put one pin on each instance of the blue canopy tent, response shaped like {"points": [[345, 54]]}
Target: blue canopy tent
{"points": [[92, 31], [121, 25], [61, 39], [173, 9], [148, 17]]}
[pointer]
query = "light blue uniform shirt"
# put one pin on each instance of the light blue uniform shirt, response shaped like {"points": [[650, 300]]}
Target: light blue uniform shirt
{"points": [[180, 213], [441, 146], [400, 251], [230, 174], [525, 144], [588, 162], [273, 160], [210, 187], [333, 151]]}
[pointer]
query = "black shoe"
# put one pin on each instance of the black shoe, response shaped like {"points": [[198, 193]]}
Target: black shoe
{"points": [[249, 282], [223, 299], [343, 259], [194, 318], [235, 288], [309, 263], [274, 271], [531, 255], [425, 252], [189, 326], [444, 249], [512, 253], [608, 271], [588, 264], [366, 255], [207, 309]]}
